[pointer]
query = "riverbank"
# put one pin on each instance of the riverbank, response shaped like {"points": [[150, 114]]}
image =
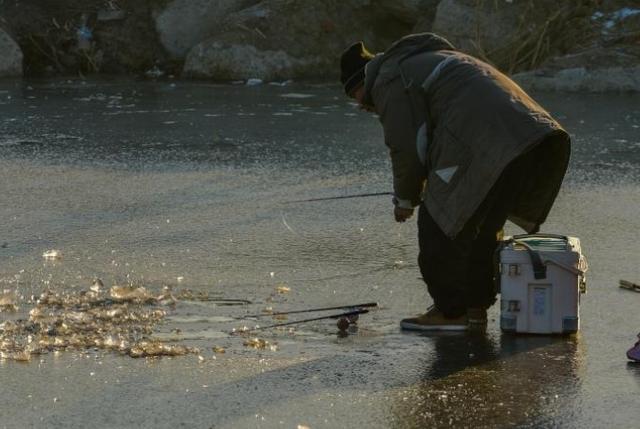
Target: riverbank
{"points": [[586, 45]]}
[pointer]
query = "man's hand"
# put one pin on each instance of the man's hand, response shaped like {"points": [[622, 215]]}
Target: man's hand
{"points": [[402, 214]]}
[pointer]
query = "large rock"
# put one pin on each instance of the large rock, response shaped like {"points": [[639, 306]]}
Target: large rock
{"points": [[616, 79], [10, 56], [243, 61], [410, 11], [514, 34], [417, 13], [469, 26], [283, 39], [185, 23], [624, 55]]}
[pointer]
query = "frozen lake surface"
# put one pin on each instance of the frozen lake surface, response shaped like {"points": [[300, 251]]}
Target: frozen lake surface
{"points": [[186, 185]]}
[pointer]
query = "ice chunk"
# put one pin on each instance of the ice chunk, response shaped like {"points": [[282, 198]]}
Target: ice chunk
{"points": [[52, 255], [130, 293]]}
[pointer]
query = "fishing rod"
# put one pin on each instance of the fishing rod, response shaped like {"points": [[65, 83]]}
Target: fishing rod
{"points": [[373, 194], [313, 319], [624, 284], [226, 301], [313, 310]]}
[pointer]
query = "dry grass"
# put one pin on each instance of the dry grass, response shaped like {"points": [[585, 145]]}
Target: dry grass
{"points": [[544, 29], [54, 46]]}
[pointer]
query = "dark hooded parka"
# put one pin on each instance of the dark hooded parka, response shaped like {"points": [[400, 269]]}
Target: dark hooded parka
{"points": [[457, 122]]}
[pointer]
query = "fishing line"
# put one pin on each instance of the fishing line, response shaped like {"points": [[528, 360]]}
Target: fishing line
{"points": [[341, 197], [284, 221]]}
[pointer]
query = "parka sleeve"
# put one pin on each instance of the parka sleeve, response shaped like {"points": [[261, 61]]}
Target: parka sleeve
{"points": [[401, 123]]}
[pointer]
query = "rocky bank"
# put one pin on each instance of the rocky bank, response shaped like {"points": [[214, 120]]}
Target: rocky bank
{"points": [[581, 45]]}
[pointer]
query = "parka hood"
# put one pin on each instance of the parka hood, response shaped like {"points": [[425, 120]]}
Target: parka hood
{"points": [[398, 51]]}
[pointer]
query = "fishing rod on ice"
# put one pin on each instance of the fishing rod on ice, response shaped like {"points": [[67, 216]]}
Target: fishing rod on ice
{"points": [[346, 318], [312, 310], [346, 315]]}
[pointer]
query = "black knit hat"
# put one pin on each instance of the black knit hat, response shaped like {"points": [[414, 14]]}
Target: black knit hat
{"points": [[352, 63]]}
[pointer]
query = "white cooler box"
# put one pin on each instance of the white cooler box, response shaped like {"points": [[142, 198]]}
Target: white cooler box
{"points": [[541, 278]]}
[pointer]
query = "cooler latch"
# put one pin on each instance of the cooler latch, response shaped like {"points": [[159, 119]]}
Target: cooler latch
{"points": [[513, 270]]}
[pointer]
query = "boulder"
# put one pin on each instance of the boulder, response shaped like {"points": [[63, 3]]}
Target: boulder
{"points": [[284, 39], [470, 26], [617, 79], [185, 23], [410, 11], [597, 56], [10, 56], [242, 61]]}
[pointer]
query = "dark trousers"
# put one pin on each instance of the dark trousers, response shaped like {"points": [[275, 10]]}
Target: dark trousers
{"points": [[459, 272]]}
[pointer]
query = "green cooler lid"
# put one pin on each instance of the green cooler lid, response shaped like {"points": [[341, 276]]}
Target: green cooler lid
{"points": [[544, 244]]}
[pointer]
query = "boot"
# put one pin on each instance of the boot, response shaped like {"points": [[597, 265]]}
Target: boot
{"points": [[434, 320]]}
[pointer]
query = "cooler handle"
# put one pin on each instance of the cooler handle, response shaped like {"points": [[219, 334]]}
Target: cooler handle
{"points": [[579, 271], [545, 235], [539, 268]]}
